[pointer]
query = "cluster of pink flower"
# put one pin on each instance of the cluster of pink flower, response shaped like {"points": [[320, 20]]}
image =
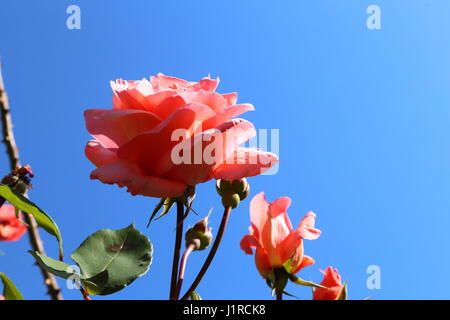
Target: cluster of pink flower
{"points": [[133, 148]]}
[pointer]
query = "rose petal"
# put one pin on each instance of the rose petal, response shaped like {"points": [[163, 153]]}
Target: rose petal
{"points": [[113, 128], [227, 114], [235, 133], [280, 206], [245, 162], [147, 149], [11, 228], [331, 280], [7, 213], [203, 152], [194, 166], [262, 262], [126, 174], [231, 98], [206, 84], [273, 236], [306, 261], [306, 227], [131, 94], [248, 243], [212, 99], [259, 213], [169, 106], [98, 154], [161, 81]]}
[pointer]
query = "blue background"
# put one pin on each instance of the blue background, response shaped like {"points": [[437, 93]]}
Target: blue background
{"points": [[363, 116]]}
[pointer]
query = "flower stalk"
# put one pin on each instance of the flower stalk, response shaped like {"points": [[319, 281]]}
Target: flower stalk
{"points": [[279, 294], [177, 249], [212, 253], [183, 264]]}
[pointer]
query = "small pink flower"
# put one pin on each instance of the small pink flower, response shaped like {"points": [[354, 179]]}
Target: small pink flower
{"points": [[11, 229], [2, 298], [134, 142], [331, 280], [273, 237]]}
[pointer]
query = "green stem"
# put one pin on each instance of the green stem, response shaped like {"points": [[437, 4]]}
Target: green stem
{"points": [[177, 249], [279, 294], [183, 263], [212, 253], [50, 282]]}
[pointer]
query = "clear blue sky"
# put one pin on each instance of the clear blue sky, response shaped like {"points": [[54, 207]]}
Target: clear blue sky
{"points": [[364, 119]]}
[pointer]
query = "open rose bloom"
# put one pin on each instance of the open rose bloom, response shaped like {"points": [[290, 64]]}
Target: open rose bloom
{"points": [[333, 283], [150, 140], [11, 229], [273, 237]]}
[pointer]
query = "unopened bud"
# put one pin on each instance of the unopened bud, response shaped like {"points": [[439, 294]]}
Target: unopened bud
{"points": [[199, 235], [245, 193], [19, 179], [230, 199], [232, 192], [223, 185], [241, 187]]}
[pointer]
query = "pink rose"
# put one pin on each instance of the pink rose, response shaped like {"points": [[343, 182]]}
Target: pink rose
{"points": [[331, 280], [273, 237], [134, 144], [11, 229]]}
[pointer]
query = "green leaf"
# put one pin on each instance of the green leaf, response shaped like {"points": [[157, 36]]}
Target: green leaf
{"points": [[343, 294], [25, 205], [112, 259], [10, 291], [58, 268], [195, 296], [297, 280]]}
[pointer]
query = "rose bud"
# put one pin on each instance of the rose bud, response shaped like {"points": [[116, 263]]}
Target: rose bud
{"points": [[223, 185], [232, 192], [230, 199], [239, 186], [199, 235], [19, 179], [242, 188], [333, 283]]}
